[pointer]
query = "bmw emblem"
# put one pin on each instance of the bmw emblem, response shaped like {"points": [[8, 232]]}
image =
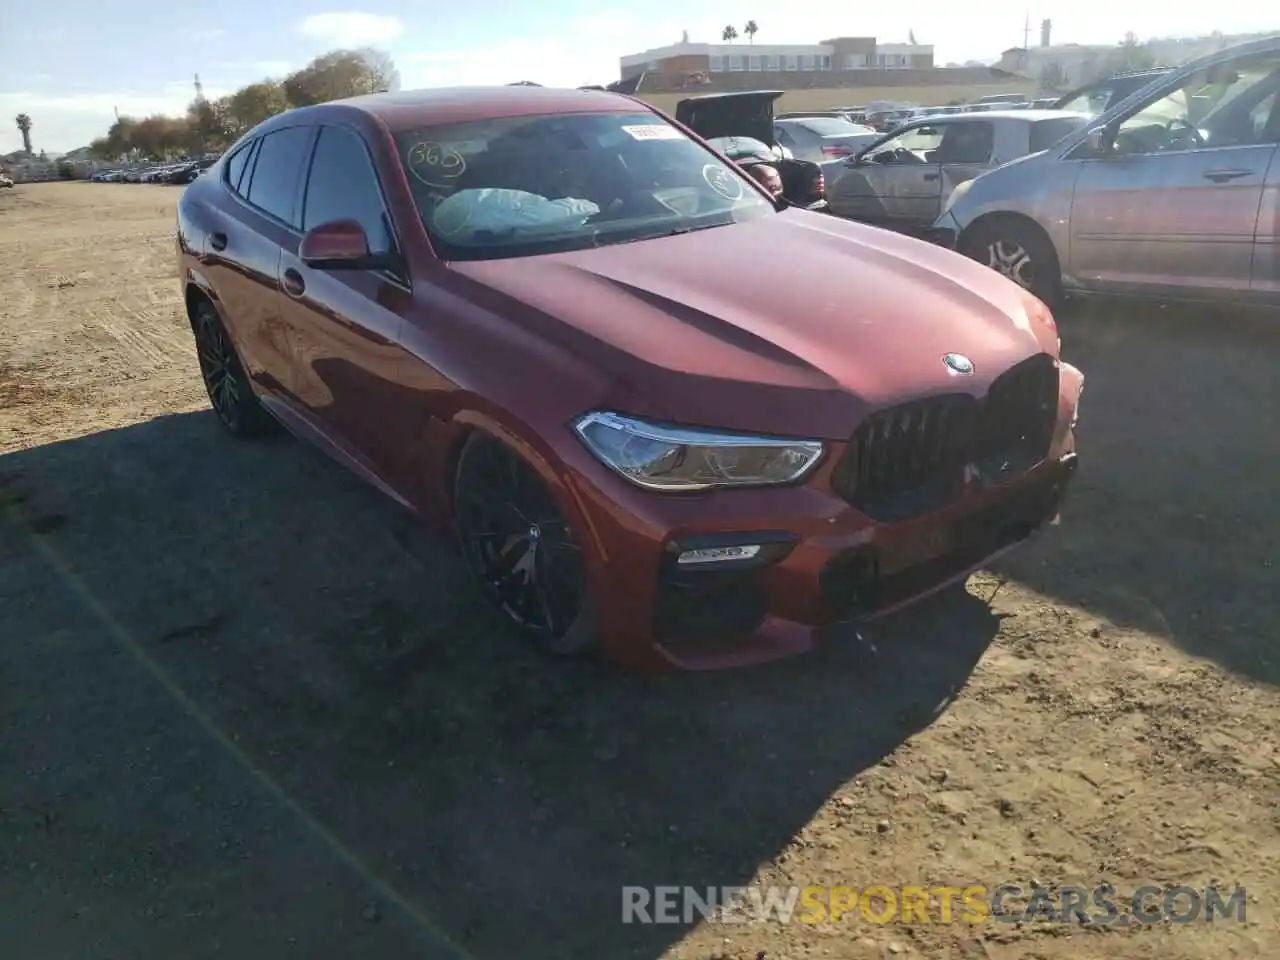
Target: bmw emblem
{"points": [[957, 364]]}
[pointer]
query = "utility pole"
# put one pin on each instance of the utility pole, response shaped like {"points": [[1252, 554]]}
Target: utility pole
{"points": [[1026, 32], [199, 90]]}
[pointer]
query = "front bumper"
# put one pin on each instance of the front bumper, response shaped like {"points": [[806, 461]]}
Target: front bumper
{"points": [[945, 232], [820, 560]]}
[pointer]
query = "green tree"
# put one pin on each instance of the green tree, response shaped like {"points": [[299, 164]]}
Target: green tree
{"points": [[341, 74], [1052, 77], [209, 125], [23, 121], [1131, 54], [250, 105], [751, 30], [120, 136], [729, 34]]}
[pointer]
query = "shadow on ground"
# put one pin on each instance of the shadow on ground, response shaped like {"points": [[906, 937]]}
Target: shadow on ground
{"points": [[200, 633], [1173, 521]]}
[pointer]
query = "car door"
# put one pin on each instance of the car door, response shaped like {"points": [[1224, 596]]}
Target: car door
{"points": [[345, 324], [1266, 239], [896, 182], [266, 211], [966, 150], [255, 220], [1169, 205]]}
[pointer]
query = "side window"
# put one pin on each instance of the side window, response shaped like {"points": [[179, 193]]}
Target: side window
{"points": [[967, 142], [344, 186], [1261, 115], [1214, 107], [783, 137], [277, 173], [910, 146], [235, 166]]}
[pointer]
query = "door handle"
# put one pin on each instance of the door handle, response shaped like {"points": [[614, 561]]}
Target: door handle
{"points": [[930, 177], [218, 241], [293, 283], [1222, 176]]}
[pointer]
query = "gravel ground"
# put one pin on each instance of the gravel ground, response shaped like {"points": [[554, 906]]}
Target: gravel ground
{"points": [[247, 712]]}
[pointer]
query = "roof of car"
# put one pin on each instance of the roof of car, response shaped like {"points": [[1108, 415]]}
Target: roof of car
{"points": [[458, 104]]}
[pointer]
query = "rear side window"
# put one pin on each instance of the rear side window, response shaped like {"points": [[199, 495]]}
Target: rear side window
{"points": [[343, 186], [1045, 133], [235, 166], [277, 173]]}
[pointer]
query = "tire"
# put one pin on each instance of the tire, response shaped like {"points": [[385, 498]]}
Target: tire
{"points": [[521, 549], [1021, 252], [225, 381]]}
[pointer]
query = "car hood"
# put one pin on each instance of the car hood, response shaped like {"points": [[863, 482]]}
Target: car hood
{"points": [[797, 323]]}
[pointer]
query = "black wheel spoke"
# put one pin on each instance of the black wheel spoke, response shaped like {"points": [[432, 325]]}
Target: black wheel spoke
{"points": [[533, 569]]}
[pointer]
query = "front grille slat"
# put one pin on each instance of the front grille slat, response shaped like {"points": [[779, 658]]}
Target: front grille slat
{"points": [[908, 460]]}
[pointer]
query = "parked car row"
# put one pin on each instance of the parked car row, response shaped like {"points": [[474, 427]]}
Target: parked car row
{"points": [[669, 414], [1173, 192], [1161, 183], [183, 172]]}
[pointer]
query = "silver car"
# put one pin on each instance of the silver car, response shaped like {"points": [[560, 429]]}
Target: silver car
{"points": [[1173, 193], [903, 180], [822, 138]]}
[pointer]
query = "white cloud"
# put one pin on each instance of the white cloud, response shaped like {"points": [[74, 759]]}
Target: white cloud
{"points": [[352, 29]]}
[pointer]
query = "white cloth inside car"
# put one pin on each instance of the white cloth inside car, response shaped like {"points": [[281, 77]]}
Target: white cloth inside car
{"points": [[500, 210]]}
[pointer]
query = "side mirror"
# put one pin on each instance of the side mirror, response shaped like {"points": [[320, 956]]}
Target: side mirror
{"points": [[339, 245]]}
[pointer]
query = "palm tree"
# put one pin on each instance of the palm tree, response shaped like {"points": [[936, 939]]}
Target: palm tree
{"points": [[751, 30], [24, 126], [729, 34]]}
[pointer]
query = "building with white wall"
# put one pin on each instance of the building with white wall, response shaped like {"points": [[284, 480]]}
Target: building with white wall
{"points": [[841, 53]]}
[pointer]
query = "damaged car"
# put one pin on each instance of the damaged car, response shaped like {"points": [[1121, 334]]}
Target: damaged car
{"points": [[666, 416]]}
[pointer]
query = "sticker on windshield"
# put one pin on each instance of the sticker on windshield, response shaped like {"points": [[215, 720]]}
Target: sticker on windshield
{"points": [[434, 164], [654, 131], [722, 181]]}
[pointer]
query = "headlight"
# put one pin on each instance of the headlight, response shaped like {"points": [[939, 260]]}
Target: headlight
{"points": [[956, 194], [660, 457]]}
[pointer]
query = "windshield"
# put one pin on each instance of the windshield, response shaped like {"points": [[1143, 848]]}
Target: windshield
{"points": [[520, 186], [829, 126]]}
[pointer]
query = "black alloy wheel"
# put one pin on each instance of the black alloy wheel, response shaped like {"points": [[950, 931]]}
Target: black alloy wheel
{"points": [[224, 378], [520, 547]]}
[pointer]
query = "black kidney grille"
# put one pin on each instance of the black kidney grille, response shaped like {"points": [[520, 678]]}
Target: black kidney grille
{"points": [[1018, 416], [901, 460], [910, 459]]}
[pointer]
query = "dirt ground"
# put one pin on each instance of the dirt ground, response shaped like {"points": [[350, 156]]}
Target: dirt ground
{"points": [[243, 714]]}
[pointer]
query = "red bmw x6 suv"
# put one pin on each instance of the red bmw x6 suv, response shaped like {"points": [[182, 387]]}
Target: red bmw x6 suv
{"points": [[664, 414]]}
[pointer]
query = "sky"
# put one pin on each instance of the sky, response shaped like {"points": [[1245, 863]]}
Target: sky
{"points": [[68, 64]]}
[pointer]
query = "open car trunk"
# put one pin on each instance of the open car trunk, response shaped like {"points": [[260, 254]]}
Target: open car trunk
{"points": [[750, 114], [730, 114]]}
